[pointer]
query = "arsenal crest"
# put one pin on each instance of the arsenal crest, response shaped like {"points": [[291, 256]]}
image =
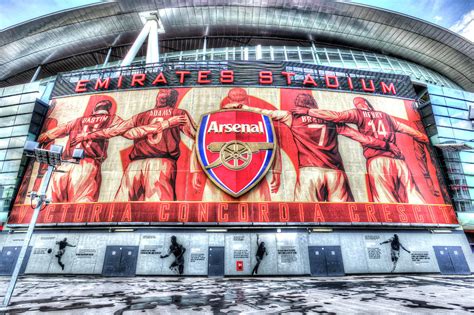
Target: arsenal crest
{"points": [[235, 148]]}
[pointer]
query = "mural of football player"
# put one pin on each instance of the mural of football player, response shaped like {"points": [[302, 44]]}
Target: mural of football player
{"points": [[262, 191], [178, 251], [390, 180], [81, 182], [151, 174], [322, 176], [395, 245]]}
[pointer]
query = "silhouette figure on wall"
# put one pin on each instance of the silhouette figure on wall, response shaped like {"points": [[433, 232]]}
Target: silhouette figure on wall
{"points": [[261, 250], [178, 251], [62, 249], [395, 249]]}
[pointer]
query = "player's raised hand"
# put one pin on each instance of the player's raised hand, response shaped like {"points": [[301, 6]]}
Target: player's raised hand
{"points": [[196, 181], [43, 138], [78, 139], [300, 111], [392, 147], [275, 183], [177, 120]]}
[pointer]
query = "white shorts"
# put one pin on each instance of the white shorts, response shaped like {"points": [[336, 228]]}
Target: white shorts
{"points": [[77, 182], [390, 181], [322, 184], [151, 179]]}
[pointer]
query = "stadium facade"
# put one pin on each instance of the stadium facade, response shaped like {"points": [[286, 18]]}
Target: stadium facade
{"points": [[233, 138]]}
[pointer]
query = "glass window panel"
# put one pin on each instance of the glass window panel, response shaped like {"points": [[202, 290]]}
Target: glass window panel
{"points": [[26, 108], [451, 102], [439, 110], [469, 96], [293, 55], [458, 113], [17, 142], [2, 154], [20, 130], [463, 124], [439, 100], [278, 55], [9, 110], [11, 166], [466, 135], [470, 182], [13, 154], [433, 89], [307, 56], [23, 119], [7, 121], [468, 168], [322, 57], [442, 121], [445, 132], [6, 132], [453, 93]]}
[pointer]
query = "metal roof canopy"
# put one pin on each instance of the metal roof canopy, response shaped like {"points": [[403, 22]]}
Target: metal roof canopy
{"points": [[85, 30]]}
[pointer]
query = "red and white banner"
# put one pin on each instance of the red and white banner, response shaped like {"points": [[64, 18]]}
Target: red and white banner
{"points": [[304, 155], [222, 213]]}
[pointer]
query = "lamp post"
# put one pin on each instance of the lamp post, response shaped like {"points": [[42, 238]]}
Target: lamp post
{"points": [[53, 158]]}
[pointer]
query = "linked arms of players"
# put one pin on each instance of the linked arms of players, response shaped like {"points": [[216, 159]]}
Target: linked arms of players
{"points": [[368, 141], [127, 129]]}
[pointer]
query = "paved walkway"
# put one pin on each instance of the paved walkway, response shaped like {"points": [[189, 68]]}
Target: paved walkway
{"points": [[153, 295]]}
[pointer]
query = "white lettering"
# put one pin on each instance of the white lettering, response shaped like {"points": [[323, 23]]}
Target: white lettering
{"points": [[235, 128]]}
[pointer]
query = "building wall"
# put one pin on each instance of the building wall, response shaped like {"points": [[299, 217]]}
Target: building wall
{"points": [[287, 251], [20, 120]]}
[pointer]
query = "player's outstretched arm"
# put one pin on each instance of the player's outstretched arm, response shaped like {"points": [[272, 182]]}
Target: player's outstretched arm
{"points": [[58, 132], [280, 115], [368, 141], [415, 134], [188, 126], [119, 127], [348, 116]]}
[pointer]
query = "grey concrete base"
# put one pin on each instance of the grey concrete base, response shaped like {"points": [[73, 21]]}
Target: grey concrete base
{"points": [[287, 251]]}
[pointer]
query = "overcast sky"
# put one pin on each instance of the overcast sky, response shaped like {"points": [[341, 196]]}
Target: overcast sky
{"points": [[456, 15]]}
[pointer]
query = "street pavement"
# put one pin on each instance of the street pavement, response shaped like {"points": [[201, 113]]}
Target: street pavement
{"points": [[384, 294]]}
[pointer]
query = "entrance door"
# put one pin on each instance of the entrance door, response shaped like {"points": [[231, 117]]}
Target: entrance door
{"points": [[216, 262], [120, 261], [326, 261], [9, 257], [451, 260]]}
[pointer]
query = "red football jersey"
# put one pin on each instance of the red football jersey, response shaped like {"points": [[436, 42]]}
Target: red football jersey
{"points": [[375, 124], [316, 140], [97, 148], [161, 145]]}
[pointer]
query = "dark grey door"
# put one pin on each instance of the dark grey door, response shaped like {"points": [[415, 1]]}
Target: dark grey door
{"points": [[317, 261], [9, 257], [451, 260], [335, 266], [216, 262], [325, 261], [459, 261], [120, 261]]}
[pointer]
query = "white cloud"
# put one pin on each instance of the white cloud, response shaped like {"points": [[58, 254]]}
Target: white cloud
{"points": [[438, 18], [465, 26]]}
